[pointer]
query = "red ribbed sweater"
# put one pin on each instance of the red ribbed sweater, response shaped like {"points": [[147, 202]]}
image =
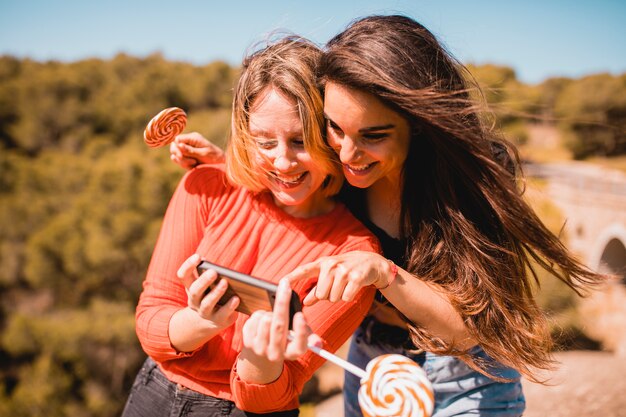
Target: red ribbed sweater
{"points": [[245, 231]]}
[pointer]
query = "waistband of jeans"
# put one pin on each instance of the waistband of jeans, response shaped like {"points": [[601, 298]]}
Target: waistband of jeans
{"points": [[156, 373]]}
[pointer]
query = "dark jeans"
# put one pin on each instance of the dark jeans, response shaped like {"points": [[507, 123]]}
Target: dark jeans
{"points": [[153, 395]]}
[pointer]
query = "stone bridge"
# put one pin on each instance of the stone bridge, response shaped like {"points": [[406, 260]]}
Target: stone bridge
{"points": [[593, 201]]}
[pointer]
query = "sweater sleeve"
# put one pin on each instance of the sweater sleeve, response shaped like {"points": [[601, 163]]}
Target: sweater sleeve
{"points": [[333, 322], [181, 231]]}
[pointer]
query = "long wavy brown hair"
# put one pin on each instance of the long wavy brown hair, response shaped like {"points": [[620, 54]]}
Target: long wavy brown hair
{"points": [[468, 227]]}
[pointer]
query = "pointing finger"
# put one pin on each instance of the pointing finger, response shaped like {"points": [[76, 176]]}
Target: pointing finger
{"points": [[310, 270], [280, 320]]}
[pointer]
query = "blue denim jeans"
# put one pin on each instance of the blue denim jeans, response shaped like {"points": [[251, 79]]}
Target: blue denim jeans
{"points": [[153, 395], [459, 390]]}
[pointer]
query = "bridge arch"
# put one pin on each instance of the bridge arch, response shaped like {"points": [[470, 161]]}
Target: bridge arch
{"points": [[609, 252]]}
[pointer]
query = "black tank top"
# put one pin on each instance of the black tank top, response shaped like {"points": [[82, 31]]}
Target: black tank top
{"points": [[393, 249]]}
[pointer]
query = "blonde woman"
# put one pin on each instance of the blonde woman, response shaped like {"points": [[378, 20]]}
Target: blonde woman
{"points": [[270, 209]]}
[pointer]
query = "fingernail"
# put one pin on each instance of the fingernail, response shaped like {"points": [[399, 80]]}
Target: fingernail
{"points": [[283, 284], [318, 343]]}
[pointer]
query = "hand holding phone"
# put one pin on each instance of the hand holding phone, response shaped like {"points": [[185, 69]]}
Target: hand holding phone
{"points": [[254, 293]]}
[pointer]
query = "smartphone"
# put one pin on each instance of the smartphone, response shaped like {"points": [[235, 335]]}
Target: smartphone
{"points": [[254, 293]]}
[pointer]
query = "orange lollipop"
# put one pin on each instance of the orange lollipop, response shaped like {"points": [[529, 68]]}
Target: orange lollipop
{"points": [[391, 386], [395, 386], [164, 127]]}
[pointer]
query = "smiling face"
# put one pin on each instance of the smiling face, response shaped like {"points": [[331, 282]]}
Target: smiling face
{"points": [[371, 139], [282, 163]]}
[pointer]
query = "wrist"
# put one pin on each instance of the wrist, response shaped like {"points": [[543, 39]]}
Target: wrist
{"points": [[187, 331], [390, 275], [255, 369]]}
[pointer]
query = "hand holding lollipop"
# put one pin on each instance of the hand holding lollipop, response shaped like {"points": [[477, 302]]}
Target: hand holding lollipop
{"points": [[164, 127]]}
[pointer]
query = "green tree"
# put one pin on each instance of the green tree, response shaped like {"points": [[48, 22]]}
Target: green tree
{"points": [[81, 204], [511, 103], [592, 111]]}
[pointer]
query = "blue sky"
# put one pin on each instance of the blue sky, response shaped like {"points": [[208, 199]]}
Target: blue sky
{"points": [[539, 39]]}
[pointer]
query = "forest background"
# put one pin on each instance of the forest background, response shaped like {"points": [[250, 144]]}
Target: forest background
{"points": [[82, 199]]}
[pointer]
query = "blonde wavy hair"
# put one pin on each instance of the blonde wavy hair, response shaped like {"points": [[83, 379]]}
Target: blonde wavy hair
{"points": [[288, 65]]}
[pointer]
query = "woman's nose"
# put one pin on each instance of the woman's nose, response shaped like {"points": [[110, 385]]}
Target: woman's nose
{"points": [[283, 162], [348, 149]]}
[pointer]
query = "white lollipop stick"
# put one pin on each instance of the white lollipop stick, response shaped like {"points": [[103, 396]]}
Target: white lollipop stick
{"points": [[353, 369]]}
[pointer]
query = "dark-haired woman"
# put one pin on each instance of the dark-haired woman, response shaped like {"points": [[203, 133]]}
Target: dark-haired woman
{"points": [[438, 191]]}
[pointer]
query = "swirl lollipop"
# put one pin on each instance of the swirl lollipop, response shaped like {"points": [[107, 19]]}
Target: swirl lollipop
{"points": [[164, 127], [391, 386], [395, 386]]}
